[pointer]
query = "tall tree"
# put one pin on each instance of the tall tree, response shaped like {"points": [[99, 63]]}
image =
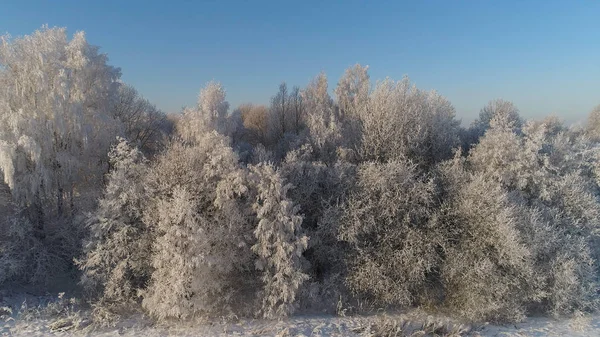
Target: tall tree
{"points": [[210, 113], [323, 125], [56, 98], [56, 126], [297, 109], [280, 105], [352, 91]]}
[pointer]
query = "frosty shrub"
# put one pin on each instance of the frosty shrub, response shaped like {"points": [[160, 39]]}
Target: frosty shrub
{"points": [[487, 269], [385, 222], [22, 255], [279, 242], [548, 173], [564, 266], [201, 253], [116, 264]]}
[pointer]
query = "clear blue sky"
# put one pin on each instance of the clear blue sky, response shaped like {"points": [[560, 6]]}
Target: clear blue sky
{"points": [[542, 55]]}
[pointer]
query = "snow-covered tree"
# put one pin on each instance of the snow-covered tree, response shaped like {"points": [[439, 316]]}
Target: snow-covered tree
{"points": [[56, 128], [117, 252], [319, 189], [401, 121], [210, 113], [385, 223], [487, 270], [325, 130], [550, 175], [279, 242], [54, 108], [352, 91], [201, 255], [144, 125], [497, 108], [592, 127], [352, 96]]}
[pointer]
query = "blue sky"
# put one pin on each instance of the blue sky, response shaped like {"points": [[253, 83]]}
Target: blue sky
{"points": [[542, 55]]}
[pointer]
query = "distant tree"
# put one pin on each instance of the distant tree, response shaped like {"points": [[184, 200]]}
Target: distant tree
{"points": [[280, 107], [144, 124], [352, 91], [498, 107], [593, 124], [210, 113], [256, 121], [325, 130], [297, 109]]}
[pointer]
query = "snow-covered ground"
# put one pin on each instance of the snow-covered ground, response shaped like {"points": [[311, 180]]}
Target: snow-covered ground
{"points": [[376, 325], [28, 315]]}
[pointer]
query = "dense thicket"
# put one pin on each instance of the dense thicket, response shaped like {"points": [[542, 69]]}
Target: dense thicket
{"points": [[375, 198]]}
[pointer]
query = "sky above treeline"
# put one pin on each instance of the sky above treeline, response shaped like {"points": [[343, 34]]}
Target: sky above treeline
{"points": [[542, 55]]}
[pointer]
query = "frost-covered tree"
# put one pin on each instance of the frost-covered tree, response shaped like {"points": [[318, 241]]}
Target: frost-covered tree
{"points": [[592, 127], [319, 188], [279, 242], [487, 270], [352, 91], [144, 125], [385, 223], [280, 111], [201, 256], [325, 129], [56, 128], [352, 96], [550, 175], [497, 108], [210, 113], [116, 264], [54, 107], [402, 121]]}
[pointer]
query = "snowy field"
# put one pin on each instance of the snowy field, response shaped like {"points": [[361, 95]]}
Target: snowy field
{"points": [[62, 318], [313, 326]]}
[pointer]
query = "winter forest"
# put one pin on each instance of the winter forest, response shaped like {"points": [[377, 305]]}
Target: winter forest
{"points": [[373, 197]]}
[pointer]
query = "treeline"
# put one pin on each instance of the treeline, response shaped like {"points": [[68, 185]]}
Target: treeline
{"points": [[376, 198]]}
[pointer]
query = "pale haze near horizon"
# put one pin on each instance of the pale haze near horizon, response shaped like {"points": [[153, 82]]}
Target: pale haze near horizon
{"points": [[542, 55]]}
